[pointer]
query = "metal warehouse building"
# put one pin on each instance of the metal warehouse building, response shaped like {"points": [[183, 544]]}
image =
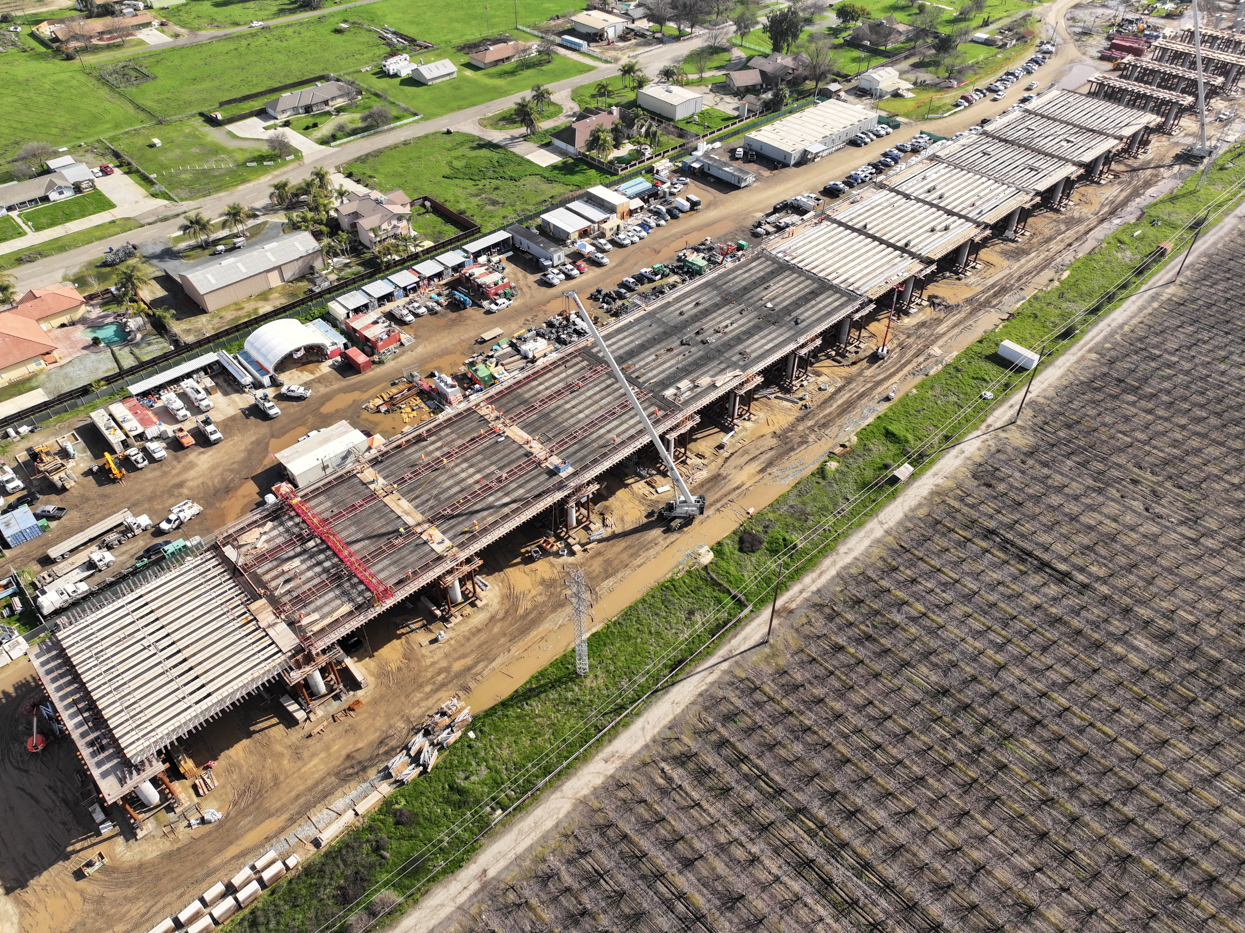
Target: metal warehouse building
{"points": [[215, 283], [669, 101], [810, 133]]}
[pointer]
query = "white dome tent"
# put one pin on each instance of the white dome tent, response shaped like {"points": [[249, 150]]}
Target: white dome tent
{"points": [[272, 343]]}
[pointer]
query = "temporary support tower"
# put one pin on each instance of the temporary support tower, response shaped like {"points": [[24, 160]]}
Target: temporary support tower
{"points": [[581, 603]]}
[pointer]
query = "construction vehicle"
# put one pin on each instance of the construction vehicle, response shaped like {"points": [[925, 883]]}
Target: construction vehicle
{"points": [[53, 460], [113, 468], [93, 864], [123, 523], [685, 506]]}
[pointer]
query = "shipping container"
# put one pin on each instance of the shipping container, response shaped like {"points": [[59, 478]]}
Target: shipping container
{"points": [[358, 359]]}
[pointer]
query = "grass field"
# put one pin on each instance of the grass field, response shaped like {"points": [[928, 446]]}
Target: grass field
{"points": [[208, 14], [9, 230], [191, 162], [488, 183], [197, 77], [471, 87], [61, 212], [72, 105], [453, 24], [707, 120], [506, 120], [71, 241]]}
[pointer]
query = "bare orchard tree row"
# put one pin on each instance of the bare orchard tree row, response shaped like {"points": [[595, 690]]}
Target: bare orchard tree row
{"points": [[1026, 713]]}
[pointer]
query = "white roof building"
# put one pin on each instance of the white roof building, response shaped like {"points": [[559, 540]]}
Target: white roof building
{"points": [[324, 452], [819, 129], [670, 101], [274, 341], [597, 23], [435, 72], [882, 82]]}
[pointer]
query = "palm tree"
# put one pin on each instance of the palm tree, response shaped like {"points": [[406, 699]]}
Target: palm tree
{"points": [[281, 192], [779, 97], [601, 92], [601, 142], [8, 289], [670, 74], [640, 79], [236, 216], [526, 112], [341, 240], [542, 97], [132, 277], [320, 178], [197, 226], [628, 71], [341, 193]]}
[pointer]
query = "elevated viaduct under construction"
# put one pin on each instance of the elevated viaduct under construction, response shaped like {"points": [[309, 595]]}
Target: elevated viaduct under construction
{"points": [[270, 595]]}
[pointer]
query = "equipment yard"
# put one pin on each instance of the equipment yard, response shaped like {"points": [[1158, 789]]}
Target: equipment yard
{"points": [[453, 499]]}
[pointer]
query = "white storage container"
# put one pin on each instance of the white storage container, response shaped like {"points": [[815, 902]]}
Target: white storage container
{"points": [[1017, 355]]}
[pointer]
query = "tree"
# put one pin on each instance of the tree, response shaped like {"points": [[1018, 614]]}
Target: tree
{"points": [[236, 216], [954, 65], [927, 18], [745, 19], [699, 59], [378, 116], [659, 12], [131, 279], [542, 97], [543, 54], [641, 80], [689, 13], [779, 98], [670, 74], [601, 142], [849, 12], [279, 142], [281, 192], [197, 226], [319, 179], [341, 193], [601, 92], [618, 133], [628, 71], [311, 4], [341, 242], [525, 113], [718, 36], [8, 289], [945, 44], [820, 64], [784, 28]]}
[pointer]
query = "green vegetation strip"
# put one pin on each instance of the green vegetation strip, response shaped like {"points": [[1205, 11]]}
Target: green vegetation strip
{"points": [[71, 241], [438, 821], [9, 230]]}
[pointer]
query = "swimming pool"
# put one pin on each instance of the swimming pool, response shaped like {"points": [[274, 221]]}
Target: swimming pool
{"points": [[110, 335]]}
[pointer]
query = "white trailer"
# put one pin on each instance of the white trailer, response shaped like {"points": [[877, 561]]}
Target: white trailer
{"points": [[124, 519], [108, 429]]}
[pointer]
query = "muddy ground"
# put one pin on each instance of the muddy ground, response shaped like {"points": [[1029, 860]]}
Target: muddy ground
{"points": [[271, 775]]}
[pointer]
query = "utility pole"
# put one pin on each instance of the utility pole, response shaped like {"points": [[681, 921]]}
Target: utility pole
{"points": [[773, 606], [1203, 151], [581, 603]]}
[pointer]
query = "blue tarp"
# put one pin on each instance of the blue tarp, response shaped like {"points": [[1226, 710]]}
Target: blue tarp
{"points": [[636, 188], [19, 526]]}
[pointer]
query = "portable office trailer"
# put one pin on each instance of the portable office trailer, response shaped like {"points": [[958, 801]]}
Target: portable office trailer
{"points": [[725, 171], [109, 431], [539, 246]]}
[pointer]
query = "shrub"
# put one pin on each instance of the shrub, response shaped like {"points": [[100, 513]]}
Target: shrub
{"points": [[750, 541], [403, 817]]}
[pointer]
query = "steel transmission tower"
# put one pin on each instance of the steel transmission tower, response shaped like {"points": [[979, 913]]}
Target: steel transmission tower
{"points": [[581, 602]]}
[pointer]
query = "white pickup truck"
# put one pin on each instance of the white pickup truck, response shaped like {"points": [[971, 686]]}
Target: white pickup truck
{"points": [[181, 513], [9, 481], [174, 406], [196, 394]]}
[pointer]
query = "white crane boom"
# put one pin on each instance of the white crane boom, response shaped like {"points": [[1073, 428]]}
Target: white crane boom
{"points": [[685, 505]]}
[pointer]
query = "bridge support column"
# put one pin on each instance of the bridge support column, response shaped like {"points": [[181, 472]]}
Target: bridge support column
{"points": [[961, 256], [454, 592], [1173, 114], [906, 300], [1056, 193], [845, 331], [1009, 231], [315, 684]]}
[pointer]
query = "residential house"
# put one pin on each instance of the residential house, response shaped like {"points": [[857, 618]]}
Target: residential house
{"points": [[745, 81], [19, 195], [75, 172], [75, 33], [24, 348], [599, 25], [493, 55], [883, 33], [374, 217], [311, 99], [572, 139], [51, 307], [777, 69], [434, 72]]}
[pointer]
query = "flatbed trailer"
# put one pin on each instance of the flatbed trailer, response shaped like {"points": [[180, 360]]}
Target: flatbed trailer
{"points": [[60, 551]]}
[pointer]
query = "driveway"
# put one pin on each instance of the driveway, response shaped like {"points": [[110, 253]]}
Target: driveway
{"points": [[130, 198], [253, 128]]}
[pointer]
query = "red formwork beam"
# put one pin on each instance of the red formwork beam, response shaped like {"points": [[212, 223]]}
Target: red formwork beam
{"points": [[380, 590]]}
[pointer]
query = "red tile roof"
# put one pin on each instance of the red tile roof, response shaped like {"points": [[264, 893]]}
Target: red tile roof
{"points": [[39, 303], [21, 339]]}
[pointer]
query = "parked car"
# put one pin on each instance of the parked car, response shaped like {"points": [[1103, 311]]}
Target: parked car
{"points": [[295, 391], [51, 512], [568, 271], [26, 498], [657, 220], [1031, 85], [1027, 97], [137, 459], [637, 232], [155, 450], [106, 168], [497, 304], [579, 265], [999, 96], [551, 278], [674, 213], [256, 24], [621, 240], [602, 244], [599, 258], [629, 284], [402, 315]]}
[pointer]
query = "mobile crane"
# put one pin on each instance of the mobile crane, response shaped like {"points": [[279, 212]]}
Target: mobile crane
{"points": [[684, 506]]}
